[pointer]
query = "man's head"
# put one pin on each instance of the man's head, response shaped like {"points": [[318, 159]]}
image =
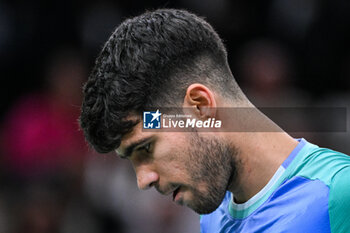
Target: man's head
{"points": [[163, 58], [150, 60]]}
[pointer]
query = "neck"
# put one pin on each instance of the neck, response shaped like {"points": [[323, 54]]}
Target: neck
{"points": [[260, 155]]}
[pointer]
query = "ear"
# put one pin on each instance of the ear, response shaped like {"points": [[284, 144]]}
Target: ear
{"points": [[200, 101]]}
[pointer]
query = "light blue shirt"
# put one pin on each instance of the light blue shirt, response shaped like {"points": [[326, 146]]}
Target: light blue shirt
{"points": [[310, 192]]}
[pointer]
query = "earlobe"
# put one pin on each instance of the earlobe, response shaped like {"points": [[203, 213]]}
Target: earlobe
{"points": [[200, 100]]}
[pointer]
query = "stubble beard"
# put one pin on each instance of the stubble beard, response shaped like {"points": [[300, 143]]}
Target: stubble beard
{"points": [[212, 165]]}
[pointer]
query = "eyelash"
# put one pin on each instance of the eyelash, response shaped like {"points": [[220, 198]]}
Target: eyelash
{"points": [[147, 147]]}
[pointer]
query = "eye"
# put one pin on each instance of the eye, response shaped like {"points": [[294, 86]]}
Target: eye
{"points": [[147, 147], [144, 153]]}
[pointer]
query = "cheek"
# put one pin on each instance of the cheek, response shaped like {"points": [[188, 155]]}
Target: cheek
{"points": [[172, 157], [174, 172], [168, 153]]}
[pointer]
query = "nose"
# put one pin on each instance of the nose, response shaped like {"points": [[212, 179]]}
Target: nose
{"points": [[146, 177]]}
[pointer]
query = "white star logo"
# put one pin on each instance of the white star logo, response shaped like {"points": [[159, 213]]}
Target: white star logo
{"points": [[156, 115]]}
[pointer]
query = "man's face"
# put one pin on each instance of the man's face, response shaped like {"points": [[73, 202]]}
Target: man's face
{"points": [[195, 169]]}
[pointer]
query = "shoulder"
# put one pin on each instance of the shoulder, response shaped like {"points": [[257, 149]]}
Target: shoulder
{"points": [[321, 164], [339, 200]]}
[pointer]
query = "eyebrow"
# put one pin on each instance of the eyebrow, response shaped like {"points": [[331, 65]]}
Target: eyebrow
{"points": [[130, 149]]}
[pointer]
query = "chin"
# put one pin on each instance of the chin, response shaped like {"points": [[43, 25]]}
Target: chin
{"points": [[203, 209]]}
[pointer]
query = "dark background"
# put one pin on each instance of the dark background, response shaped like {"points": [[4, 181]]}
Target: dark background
{"points": [[315, 34], [284, 53]]}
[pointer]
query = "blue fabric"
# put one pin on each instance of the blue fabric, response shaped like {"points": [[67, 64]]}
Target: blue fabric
{"points": [[301, 144], [298, 205]]}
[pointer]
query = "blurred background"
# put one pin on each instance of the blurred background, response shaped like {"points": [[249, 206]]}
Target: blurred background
{"points": [[282, 52]]}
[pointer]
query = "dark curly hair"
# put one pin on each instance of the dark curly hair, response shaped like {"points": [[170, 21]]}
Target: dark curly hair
{"points": [[149, 61]]}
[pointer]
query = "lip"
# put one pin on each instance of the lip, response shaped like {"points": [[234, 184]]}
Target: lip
{"points": [[167, 193], [175, 194]]}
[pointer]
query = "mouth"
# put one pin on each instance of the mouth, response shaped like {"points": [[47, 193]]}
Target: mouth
{"points": [[175, 194]]}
